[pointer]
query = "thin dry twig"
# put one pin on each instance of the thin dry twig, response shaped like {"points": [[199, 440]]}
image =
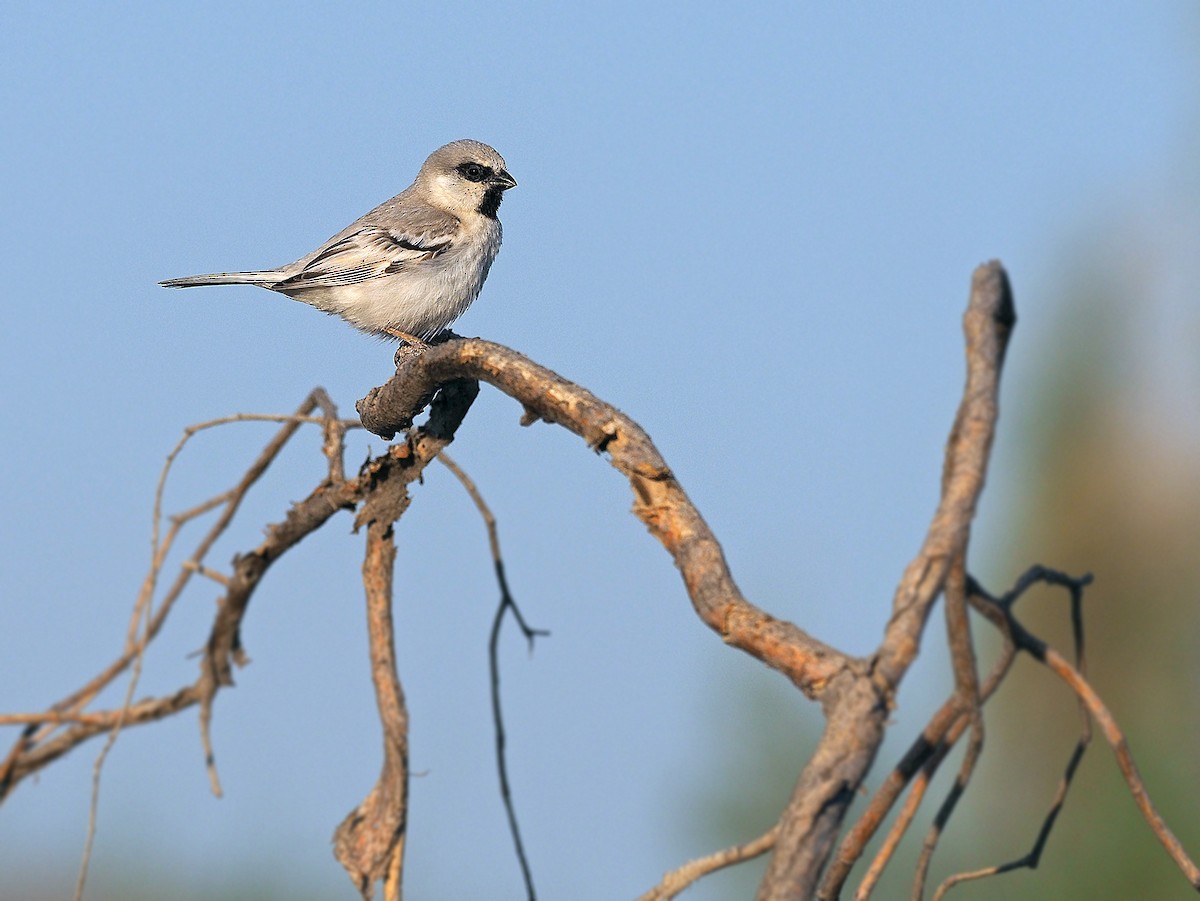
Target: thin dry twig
{"points": [[966, 690], [220, 578], [908, 810], [507, 602], [1073, 676], [921, 761], [991, 607], [143, 626], [926, 755], [506, 605], [40, 745], [98, 764], [679, 879], [1034, 856], [949, 722]]}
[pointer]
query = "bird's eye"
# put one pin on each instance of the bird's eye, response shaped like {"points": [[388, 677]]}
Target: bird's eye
{"points": [[474, 171]]}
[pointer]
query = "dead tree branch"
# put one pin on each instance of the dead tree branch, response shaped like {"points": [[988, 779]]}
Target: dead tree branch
{"points": [[370, 841], [856, 694], [659, 500], [855, 713], [45, 740]]}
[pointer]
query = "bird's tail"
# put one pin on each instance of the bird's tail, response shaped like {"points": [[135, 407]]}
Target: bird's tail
{"points": [[265, 278]]}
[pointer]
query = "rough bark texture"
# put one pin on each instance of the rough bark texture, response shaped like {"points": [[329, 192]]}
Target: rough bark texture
{"points": [[856, 694]]}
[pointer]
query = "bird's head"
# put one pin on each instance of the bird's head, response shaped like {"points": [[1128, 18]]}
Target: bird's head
{"points": [[465, 177]]}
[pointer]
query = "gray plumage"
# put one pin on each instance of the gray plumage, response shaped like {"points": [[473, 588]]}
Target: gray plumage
{"points": [[412, 265]]}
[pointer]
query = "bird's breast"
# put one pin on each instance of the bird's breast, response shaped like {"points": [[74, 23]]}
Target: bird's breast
{"points": [[422, 298]]}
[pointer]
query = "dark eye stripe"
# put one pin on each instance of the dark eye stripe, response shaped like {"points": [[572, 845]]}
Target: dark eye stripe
{"points": [[474, 171]]}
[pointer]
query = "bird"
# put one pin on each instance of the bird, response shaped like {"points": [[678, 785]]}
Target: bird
{"points": [[411, 266]]}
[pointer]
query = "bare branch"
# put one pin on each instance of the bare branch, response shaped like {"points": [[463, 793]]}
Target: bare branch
{"points": [[1074, 679], [677, 880], [507, 604], [39, 745], [659, 500], [369, 843], [988, 324], [856, 711], [856, 694], [966, 690]]}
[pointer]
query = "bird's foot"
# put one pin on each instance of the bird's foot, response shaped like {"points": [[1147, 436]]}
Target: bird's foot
{"points": [[412, 340]]}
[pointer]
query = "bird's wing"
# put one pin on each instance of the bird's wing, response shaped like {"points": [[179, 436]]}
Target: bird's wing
{"points": [[368, 252]]}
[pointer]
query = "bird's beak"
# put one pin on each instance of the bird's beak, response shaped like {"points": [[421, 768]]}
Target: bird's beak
{"points": [[504, 180]]}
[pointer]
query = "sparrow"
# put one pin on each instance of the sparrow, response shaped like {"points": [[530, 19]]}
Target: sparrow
{"points": [[412, 265]]}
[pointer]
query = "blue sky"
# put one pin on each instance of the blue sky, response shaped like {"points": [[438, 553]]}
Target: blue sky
{"points": [[752, 231]]}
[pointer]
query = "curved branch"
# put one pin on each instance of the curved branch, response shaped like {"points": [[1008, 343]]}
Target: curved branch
{"points": [[856, 695], [659, 500], [988, 325], [679, 879], [855, 726], [402, 464]]}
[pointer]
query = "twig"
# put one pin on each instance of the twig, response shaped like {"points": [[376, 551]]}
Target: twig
{"points": [[334, 447], [1034, 856], [1075, 680], [993, 608], [98, 764], [679, 879], [966, 690], [38, 746], [215, 671], [939, 737], [908, 810], [966, 770], [219, 578], [506, 604], [920, 764], [143, 611], [55, 716]]}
